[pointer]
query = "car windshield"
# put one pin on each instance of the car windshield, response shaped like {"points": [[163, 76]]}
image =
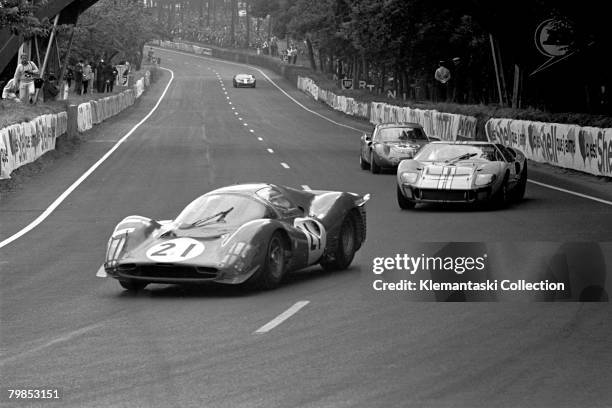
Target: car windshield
{"points": [[398, 134], [231, 209], [451, 152]]}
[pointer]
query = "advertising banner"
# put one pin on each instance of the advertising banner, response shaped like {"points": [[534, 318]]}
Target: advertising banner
{"points": [[587, 149], [444, 126], [25, 142]]}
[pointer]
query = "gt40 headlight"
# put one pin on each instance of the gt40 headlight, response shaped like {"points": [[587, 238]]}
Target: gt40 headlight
{"points": [[409, 177], [484, 179]]}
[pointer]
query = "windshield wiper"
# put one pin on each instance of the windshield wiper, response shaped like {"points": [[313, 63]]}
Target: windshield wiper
{"points": [[459, 158], [218, 217]]}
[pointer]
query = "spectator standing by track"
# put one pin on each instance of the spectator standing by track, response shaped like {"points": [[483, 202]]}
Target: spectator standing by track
{"points": [[24, 77], [442, 76], [87, 77], [78, 77]]}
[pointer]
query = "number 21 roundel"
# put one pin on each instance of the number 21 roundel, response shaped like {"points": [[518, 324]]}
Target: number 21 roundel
{"points": [[175, 250]]}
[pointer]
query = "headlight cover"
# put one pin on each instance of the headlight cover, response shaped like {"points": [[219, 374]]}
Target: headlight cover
{"points": [[484, 179], [409, 177]]}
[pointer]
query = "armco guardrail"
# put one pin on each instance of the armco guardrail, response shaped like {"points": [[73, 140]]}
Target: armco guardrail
{"points": [[25, 142], [587, 149]]}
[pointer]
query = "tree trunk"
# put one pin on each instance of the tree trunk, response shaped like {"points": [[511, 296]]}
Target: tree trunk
{"points": [[270, 27], [248, 24], [383, 76], [322, 60], [233, 23], [313, 65]]}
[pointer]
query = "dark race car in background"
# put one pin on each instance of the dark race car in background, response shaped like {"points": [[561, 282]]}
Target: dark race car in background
{"points": [[244, 81], [462, 172], [389, 144], [246, 233]]}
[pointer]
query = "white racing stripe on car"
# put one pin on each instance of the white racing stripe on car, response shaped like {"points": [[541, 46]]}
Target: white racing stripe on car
{"points": [[85, 175], [599, 200], [282, 317], [306, 188]]}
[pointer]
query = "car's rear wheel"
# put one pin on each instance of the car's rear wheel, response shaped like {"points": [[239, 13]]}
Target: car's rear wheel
{"points": [[132, 285], [346, 247], [519, 190], [364, 165], [403, 202], [274, 265], [374, 168], [235, 84]]}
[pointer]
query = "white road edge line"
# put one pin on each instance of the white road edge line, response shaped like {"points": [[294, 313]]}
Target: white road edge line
{"points": [[282, 317], [599, 200], [285, 165], [74, 185], [341, 124]]}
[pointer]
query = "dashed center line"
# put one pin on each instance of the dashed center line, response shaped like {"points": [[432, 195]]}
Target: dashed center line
{"points": [[260, 139], [270, 151], [282, 317], [251, 130], [285, 165]]}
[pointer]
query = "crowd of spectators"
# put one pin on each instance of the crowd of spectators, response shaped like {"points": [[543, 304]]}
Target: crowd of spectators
{"points": [[80, 78]]}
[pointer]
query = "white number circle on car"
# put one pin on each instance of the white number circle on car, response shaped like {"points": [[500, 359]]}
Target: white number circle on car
{"points": [[175, 250]]}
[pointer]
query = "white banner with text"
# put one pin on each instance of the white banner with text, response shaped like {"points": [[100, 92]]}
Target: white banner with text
{"points": [[587, 149]]}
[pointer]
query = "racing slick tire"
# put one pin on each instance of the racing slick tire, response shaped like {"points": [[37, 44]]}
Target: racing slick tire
{"points": [[235, 84], [501, 197], [374, 168], [346, 247], [403, 202], [364, 165], [132, 285], [519, 190], [273, 270], [254, 84]]}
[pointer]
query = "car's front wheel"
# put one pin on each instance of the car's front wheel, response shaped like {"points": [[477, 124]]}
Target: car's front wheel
{"points": [[519, 190], [346, 247], [273, 269], [235, 84], [403, 202], [362, 163], [374, 168], [132, 285], [501, 197]]}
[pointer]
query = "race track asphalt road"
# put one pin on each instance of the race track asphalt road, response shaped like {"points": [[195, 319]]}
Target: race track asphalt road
{"points": [[172, 346]]}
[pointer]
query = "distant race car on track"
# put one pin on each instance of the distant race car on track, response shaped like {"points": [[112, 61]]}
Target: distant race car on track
{"points": [[246, 233], [244, 81], [462, 172], [389, 144]]}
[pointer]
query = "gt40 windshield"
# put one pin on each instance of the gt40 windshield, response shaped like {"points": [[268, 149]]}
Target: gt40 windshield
{"points": [[449, 152]]}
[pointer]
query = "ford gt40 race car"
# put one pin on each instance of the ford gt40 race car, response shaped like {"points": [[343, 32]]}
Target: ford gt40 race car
{"points": [[462, 172], [246, 233], [244, 81], [389, 144]]}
